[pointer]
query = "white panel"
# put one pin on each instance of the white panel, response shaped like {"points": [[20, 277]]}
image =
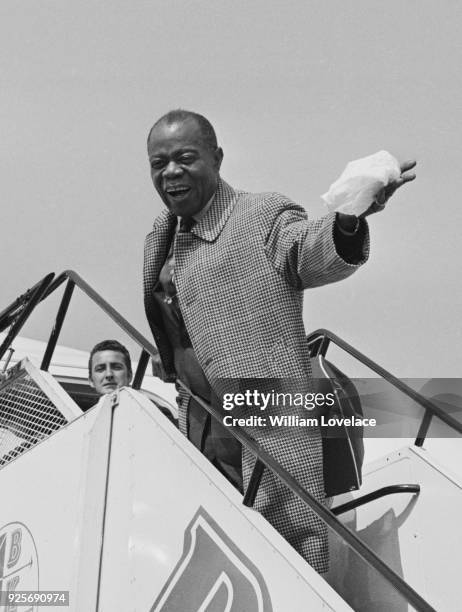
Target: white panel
{"points": [[419, 536], [54, 490], [163, 494], [92, 499]]}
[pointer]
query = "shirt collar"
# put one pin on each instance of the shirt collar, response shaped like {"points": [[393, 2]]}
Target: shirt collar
{"points": [[201, 214]]}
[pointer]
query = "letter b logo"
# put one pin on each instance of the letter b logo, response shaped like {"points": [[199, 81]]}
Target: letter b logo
{"points": [[213, 575]]}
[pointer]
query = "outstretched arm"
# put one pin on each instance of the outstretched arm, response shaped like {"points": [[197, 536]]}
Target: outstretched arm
{"points": [[312, 253]]}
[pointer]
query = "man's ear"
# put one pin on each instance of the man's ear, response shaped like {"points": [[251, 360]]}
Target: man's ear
{"points": [[91, 383], [218, 157]]}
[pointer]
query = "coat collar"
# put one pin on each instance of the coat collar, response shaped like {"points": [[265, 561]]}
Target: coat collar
{"points": [[163, 227], [212, 223]]}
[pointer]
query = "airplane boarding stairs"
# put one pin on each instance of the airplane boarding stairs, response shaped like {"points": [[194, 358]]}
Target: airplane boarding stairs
{"points": [[115, 506]]}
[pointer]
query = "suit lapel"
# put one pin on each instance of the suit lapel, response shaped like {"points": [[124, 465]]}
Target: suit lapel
{"points": [[155, 252], [157, 246]]}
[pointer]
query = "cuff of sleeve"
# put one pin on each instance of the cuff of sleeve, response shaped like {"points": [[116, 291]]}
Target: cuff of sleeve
{"points": [[353, 248], [346, 232]]}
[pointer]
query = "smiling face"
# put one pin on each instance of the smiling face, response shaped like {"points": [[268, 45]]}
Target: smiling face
{"points": [[184, 169], [109, 371]]}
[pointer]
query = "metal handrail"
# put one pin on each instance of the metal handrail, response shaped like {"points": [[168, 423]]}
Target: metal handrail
{"points": [[9, 314], [377, 494], [407, 592], [75, 279], [19, 311], [321, 339]]}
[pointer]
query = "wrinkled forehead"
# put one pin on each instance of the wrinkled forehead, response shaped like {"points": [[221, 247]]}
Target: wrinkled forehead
{"points": [[107, 357], [179, 134]]}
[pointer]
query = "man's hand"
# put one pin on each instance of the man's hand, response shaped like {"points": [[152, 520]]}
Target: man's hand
{"points": [[385, 194]]}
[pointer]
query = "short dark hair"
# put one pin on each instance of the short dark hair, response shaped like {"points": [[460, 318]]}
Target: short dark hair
{"points": [[110, 345], [179, 114]]}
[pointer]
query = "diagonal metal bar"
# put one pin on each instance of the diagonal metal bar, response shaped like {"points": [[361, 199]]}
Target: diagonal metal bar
{"points": [[254, 483], [140, 370], [107, 308], [9, 314], [53, 340], [313, 339], [33, 297]]}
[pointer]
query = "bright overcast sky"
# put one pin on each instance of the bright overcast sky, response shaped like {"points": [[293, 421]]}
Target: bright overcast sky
{"points": [[295, 89]]}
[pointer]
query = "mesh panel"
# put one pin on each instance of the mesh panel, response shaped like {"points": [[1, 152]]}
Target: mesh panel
{"points": [[27, 416]]}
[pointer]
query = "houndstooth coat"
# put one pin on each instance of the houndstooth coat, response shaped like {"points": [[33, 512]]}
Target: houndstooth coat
{"points": [[240, 275]]}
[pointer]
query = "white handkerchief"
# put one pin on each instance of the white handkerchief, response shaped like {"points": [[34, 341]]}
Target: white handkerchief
{"points": [[356, 188]]}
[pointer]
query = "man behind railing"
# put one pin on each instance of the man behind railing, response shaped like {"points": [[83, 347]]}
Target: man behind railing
{"points": [[110, 368]]}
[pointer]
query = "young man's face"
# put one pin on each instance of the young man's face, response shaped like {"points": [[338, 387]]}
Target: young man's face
{"points": [[109, 372]]}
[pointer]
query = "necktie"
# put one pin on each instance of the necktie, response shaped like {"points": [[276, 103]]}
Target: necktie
{"points": [[186, 224]]}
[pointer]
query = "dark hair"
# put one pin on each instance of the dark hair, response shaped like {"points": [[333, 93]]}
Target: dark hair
{"points": [[178, 114], [110, 345]]}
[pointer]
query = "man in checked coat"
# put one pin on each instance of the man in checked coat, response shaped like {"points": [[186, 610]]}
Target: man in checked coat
{"points": [[224, 274]]}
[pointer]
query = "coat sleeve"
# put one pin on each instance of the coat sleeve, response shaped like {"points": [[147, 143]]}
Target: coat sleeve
{"points": [[304, 251]]}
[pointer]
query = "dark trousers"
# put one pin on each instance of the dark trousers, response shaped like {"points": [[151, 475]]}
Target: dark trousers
{"points": [[214, 441]]}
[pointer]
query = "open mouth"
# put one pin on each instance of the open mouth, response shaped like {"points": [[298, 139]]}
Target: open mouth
{"points": [[178, 191]]}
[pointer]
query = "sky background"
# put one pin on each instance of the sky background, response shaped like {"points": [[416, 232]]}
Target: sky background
{"points": [[295, 90]]}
